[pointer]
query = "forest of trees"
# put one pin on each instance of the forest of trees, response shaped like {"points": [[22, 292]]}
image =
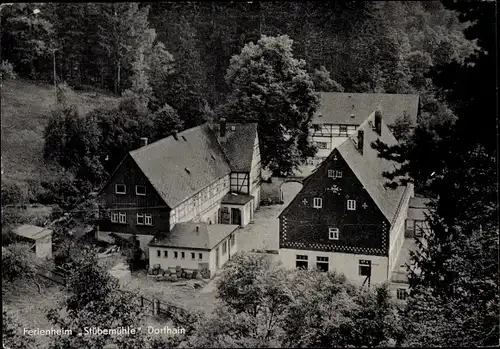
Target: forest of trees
{"points": [[176, 65], [173, 59]]}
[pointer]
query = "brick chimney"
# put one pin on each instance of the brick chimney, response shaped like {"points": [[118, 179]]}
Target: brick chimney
{"points": [[361, 141], [378, 121], [144, 141], [222, 127]]}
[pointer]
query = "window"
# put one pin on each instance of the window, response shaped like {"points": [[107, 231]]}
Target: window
{"points": [[365, 267], [114, 217], [333, 233], [331, 173], [351, 205], [322, 145], [224, 247], [140, 190], [158, 253], [200, 256], [148, 219], [193, 256], [301, 262], [140, 219], [120, 189], [122, 217], [183, 255], [165, 254], [233, 240], [401, 294], [317, 203], [176, 254], [322, 263], [338, 174], [343, 130]]}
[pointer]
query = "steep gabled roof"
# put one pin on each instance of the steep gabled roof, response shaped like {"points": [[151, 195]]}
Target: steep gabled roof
{"points": [[337, 108], [368, 167], [239, 145], [179, 168], [194, 235]]}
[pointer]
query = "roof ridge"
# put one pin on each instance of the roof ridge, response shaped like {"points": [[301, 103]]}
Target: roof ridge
{"points": [[182, 133]]}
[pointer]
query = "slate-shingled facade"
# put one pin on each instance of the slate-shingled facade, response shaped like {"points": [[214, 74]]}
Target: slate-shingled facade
{"points": [[184, 178], [344, 218], [340, 114]]}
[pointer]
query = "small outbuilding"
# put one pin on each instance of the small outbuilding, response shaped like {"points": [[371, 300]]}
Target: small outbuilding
{"points": [[41, 237], [194, 246]]}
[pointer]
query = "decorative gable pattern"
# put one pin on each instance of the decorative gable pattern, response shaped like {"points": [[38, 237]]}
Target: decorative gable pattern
{"points": [[357, 203]]}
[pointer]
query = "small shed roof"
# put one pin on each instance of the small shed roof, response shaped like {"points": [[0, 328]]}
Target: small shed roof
{"points": [[236, 199], [32, 231], [194, 235]]}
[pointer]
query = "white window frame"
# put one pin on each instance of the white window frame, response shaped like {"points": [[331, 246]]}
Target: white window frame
{"points": [[333, 233], [200, 256], [124, 216], [317, 203], [176, 254], [140, 215], [351, 205], [158, 253], [338, 174], [165, 254], [331, 174], [120, 192], [193, 256], [114, 217], [141, 194], [148, 219], [183, 255]]}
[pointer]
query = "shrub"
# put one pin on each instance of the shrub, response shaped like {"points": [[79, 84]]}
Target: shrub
{"points": [[7, 71], [15, 192]]}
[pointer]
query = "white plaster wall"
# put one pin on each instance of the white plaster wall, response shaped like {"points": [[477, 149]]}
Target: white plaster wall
{"points": [[397, 232], [170, 261], [256, 197], [43, 247], [345, 263], [223, 258]]}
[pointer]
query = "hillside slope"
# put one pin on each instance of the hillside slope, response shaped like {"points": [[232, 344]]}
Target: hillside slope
{"points": [[25, 110]]}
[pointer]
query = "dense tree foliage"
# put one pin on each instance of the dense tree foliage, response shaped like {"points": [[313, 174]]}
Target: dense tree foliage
{"points": [[454, 284], [271, 87], [265, 305], [94, 298], [12, 335]]}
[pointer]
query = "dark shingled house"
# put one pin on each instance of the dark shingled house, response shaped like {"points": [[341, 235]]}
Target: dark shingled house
{"points": [[345, 218]]}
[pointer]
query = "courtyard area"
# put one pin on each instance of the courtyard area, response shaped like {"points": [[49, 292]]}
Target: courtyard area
{"points": [[262, 232]]}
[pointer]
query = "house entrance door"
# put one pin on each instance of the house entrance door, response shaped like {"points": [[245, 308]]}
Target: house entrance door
{"points": [[236, 216]]}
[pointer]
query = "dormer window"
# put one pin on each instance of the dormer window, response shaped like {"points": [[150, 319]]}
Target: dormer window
{"points": [[140, 190], [120, 189]]}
